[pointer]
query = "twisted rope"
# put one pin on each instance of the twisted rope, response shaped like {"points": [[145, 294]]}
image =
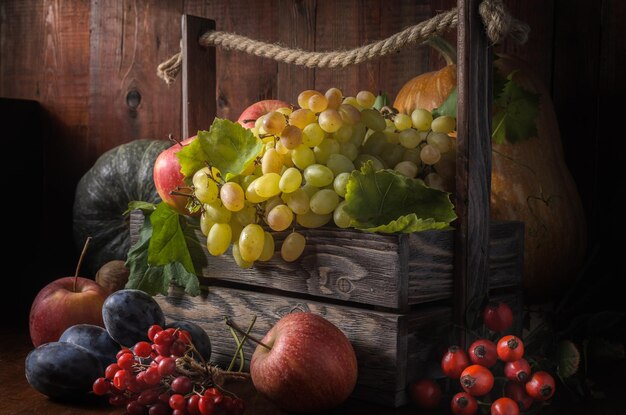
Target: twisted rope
{"points": [[498, 24]]}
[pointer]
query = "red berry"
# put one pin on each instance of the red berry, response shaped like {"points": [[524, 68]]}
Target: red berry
{"points": [[165, 397], [179, 412], [167, 366], [143, 349], [454, 362], [154, 329], [182, 384], [192, 405], [425, 393], [215, 394], [111, 370], [134, 408], [163, 338], [206, 406], [483, 352], [517, 371], [100, 386], [152, 376], [148, 397], [122, 351], [541, 386], [477, 380], [162, 349], [517, 392], [498, 316], [184, 336], [178, 348], [240, 406], [159, 408], [177, 401], [510, 348], [120, 379], [118, 400], [463, 404], [504, 406], [126, 361]]}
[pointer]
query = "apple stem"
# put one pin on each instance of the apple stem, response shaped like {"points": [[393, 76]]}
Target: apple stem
{"points": [[175, 193], [175, 140], [247, 336], [80, 261]]}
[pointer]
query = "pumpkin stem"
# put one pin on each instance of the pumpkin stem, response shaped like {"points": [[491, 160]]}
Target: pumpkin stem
{"points": [[80, 261], [445, 49]]}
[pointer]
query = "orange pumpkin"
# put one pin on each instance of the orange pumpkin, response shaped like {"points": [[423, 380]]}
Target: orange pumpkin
{"points": [[530, 183]]}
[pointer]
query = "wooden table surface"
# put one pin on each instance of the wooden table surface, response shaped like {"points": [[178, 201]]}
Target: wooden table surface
{"points": [[18, 398]]}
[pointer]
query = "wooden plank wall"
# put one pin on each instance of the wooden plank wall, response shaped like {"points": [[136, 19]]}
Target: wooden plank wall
{"points": [[92, 66]]}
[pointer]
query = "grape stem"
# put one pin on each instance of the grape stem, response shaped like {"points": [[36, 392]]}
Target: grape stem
{"points": [[175, 193], [80, 262], [229, 323]]}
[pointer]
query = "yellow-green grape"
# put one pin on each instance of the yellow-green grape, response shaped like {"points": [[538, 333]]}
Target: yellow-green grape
{"points": [[312, 135], [246, 180], [245, 216], [340, 217], [402, 122], [274, 122], [375, 143], [318, 103], [301, 118], [238, 259], [446, 166], [435, 181], [219, 238], [443, 124], [201, 177], [430, 154], [282, 150], [258, 126], [407, 168], [341, 183], [365, 99], [338, 163], [392, 135], [290, 181], [318, 175], [251, 242], [251, 194], [409, 138], [258, 171], [205, 188], [236, 229], [216, 212], [302, 156], [421, 119], [324, 202], [349, 150], [272, 203], [334, 96], [291, 137], [298, 201], [267, 185], [413, 155], [440, 141], [353, 102], [285, 110], [232, 196], [268, 247], [280, 218], [343, 134], [373, 119], [358, 133], [313, 220], [392, 154], [205, 223], [310, 190], [304, 96], [363, 158], [325, 149], [293, 246], [349, 114], [330, 120]]}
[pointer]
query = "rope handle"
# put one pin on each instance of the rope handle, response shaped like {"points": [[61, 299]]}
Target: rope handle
{"points": [[496, 18]]}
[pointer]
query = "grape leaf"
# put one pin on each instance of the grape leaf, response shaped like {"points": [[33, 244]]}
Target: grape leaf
{"points": [[227, 146], [167, 243], [515, 111], [569, 359], [448, 107], [146, 207], [386, 201]]}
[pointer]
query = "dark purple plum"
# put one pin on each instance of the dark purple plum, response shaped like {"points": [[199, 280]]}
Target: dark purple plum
{"points": [[199, 337], [62, 370], [93, 338], [128, 314]]}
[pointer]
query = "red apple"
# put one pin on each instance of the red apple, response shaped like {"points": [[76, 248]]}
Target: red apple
{"points": [[60, 305], [310, 367], [249, 116], [168, 178]]}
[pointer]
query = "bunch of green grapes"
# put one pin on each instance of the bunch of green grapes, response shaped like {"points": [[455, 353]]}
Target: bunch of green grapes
{"points": [[299, 180]]}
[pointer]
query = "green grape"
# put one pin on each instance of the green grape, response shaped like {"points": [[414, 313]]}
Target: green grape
{"points": [[409, 138], [251, 242], [324, 202], [232, 196], [238, 259], [441, 142], [329, 120], [216, 212], [272, 162], [407, 168], [205, 223], [301, 118], [205, 188], [317, 103], [272, 203], [444, 124], [282, 150], [352, 101], [349, 150], [291, 137], [285, 111], [339, 163], [274, 122], [236, 229], [364, 158], [334, 97], [280, 218], [318, 175], [245, 216], [446, 166], [343, 134], [268, 247], [246, 180], [267, 185], [302, 156], [298, 201], [429, 154], [358, 134], [251, 194], [325, 149], [421, 119], [340, 217], [303, 98], [312, 135], [413, 155], [349, 114], [373, 119], [290, 180], [434, 181], [365, 99], [219, 238], [402, 122], [293, 247], [201, 178], [375, 144], [313, 220], [392, 154], [310, 190], [341, 183], [393, 137]]}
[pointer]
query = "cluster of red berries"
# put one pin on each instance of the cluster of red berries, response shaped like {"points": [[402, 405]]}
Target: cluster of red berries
{"points": [[162, 378], [473, 369]]}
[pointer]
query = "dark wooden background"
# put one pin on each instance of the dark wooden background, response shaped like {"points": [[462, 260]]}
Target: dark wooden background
{"points": [[92, 67]]}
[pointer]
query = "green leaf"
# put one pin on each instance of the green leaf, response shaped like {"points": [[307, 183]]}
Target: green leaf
{"points": [[227, 146], [145, 207], [515, 111], [448, 107], [388, 201], [568, 359], [168, 240]]}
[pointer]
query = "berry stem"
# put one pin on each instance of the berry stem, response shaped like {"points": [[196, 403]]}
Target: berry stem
{"points": [[229, 323], [240, 346], [80, 262]]}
